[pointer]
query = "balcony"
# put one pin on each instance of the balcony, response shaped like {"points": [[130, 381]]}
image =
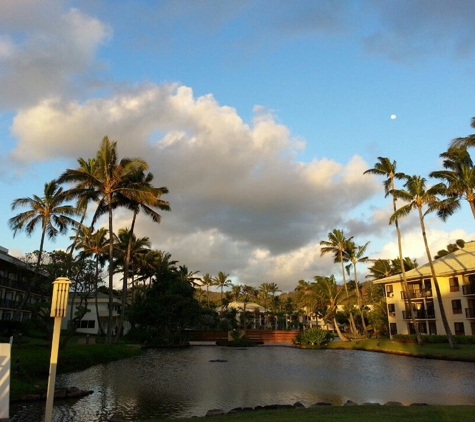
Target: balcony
{"points": [[468, 289], [418, 314], [417, 294], [470, 312], [9, 304]]}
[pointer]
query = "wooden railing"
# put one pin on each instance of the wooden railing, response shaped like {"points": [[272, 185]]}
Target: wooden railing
{"points": [[264, 336]]}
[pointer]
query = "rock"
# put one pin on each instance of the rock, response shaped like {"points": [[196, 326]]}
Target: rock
{"points": [[215, 412], [418, 404], [321, 403], [350, 403], [299, 405], [393, 403], [259, 408]]}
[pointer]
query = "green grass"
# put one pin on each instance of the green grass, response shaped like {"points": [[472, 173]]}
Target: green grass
{"points": [[353, 414], [464, 352], [30, 361]]}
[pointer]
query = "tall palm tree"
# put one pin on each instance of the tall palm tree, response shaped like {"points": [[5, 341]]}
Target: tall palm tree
{"points": [[49, 213], [110, 179], [222, 281], [416, 197], [331, 296], [187, 276], [335, 245], [386, 167], [459, 179], [356, 254]]}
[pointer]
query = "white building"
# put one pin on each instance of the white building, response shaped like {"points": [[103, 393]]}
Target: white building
{"points": [[456, 278]]}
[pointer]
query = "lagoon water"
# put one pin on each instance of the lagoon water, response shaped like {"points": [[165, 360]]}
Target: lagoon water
{"points": [[177, 383]]}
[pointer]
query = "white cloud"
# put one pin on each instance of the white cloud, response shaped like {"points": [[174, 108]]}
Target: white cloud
{"points": [[52, 50], [235, 188]]}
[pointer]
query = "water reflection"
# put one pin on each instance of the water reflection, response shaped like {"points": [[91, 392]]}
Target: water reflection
{"points": [[183, 383]]}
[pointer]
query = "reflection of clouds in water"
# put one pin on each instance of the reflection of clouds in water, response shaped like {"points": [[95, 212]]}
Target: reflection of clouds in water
{"points": [[183, 383]]}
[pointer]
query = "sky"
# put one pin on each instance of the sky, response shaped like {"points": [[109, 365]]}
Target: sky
{"points": [[260, 117]]}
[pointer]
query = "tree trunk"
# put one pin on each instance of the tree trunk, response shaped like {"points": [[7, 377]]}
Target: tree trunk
{"points": [[125, 279], [404, 278], [111, 274], [358, 296], [338, 331], [436, 284], [352, 320]]}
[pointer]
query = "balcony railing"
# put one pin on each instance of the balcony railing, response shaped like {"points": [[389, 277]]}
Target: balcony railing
{"points": [[468, 289], [470, 312], [418, 314], [417, 294], [9, 304]]}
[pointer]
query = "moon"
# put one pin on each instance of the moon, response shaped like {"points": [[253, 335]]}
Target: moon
{"points": [[393, 116]]}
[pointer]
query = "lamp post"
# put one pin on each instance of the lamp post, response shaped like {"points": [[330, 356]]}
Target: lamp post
{"points": [[59, 304]]}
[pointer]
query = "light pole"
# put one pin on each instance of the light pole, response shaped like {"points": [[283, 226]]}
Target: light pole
{"points": [[59, 303]]}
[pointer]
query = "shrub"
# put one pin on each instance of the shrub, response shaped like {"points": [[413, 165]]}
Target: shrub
{"points": [[313, 336]]}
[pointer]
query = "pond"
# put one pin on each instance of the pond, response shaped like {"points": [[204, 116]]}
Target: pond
{"points": [[177, 383]]}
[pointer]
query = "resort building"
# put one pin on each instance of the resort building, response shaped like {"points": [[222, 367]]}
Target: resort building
{"points": [[89, 324], [456, 279], [19, 288]]}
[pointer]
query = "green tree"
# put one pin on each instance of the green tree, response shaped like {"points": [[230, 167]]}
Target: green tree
{"points": [[416, 197], [110, 180], [387, 168], [331, 296], [459, 180], [335, 245]]}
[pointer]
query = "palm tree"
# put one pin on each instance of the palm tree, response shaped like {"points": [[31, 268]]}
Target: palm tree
{"points": [[48, 212], [187, 276], [459, 179], [148, 197], [207, 281], [110, 180], [93, 244], [386, 167], [355, 254], [468, 141], [222, 281], [416, 196], [336, 245], [331, 296]]}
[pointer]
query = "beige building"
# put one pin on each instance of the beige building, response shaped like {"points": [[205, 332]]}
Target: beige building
{"points": [[456, 278]]}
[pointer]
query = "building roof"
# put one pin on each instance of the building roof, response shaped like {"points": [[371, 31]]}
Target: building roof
{"points": [[458, 262], [250, 306]]}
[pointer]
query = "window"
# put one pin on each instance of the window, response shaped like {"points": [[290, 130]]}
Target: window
{"points": [[457, 306], [392, 309], [87, 323], [454, 284], [393, 328], [389, 290], [459, 329], [6, 316]]}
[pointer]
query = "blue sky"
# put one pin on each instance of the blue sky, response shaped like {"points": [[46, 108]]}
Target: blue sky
{"points": [[259, 116]]}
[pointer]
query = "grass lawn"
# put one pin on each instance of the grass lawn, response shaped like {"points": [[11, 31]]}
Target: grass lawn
{"points": [[464, 352], [353, 414]]}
